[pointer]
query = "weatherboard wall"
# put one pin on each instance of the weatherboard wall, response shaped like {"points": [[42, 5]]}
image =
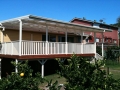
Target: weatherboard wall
{"points": [[13, 35]]}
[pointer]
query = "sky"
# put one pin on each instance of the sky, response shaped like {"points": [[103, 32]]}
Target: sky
{"points": [[64, 10]]}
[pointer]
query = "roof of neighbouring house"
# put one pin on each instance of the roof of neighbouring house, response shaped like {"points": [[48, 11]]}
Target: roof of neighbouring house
{"points": [[92, 22]]}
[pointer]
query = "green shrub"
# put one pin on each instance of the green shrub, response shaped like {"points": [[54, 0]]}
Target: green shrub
{"points": [[112, 53], [15, 81], [82, 75]]}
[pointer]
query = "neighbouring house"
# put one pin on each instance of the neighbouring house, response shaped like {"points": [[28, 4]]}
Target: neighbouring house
{"points": [[36, 38], [109, 38]]}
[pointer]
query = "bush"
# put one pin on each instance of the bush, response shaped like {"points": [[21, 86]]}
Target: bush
{"points": [[112, 53], [82, 75], [22, 80]]}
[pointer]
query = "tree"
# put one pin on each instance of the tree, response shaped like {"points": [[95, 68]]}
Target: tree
{"points": [[113, 53], [23, 80], [118, 21], [117, 24]]}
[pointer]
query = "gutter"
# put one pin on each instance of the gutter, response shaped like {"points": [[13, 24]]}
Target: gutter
{"points": [[2, 27]]}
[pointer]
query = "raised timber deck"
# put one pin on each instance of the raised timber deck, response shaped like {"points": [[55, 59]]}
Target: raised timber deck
{"points": [[52, 56]]}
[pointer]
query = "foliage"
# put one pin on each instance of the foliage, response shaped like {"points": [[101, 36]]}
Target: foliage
{"points": [[112, 53], [117, 24], [82, 75], [24, 82], [118, 21]]}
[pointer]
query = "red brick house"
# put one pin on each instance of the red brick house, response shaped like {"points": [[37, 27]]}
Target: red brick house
{"points": [[110, 38]]}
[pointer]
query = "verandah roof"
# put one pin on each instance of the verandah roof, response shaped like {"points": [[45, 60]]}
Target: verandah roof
{"points": [[35, 23]]}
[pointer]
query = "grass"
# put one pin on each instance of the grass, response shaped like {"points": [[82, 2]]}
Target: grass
{"points": [[114, 68], [54, 77]]}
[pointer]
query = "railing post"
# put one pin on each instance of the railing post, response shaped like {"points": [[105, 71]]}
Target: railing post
{"points": [[22, 48], [5, 48], [48, 48], [95, 49], [54, 49], [58, 47], [95, 43], [82, 48], [66, 50], [11, 48], [46, 40]]}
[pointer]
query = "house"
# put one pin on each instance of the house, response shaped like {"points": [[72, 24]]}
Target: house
{"points": [[110, 38], [36, 38]]}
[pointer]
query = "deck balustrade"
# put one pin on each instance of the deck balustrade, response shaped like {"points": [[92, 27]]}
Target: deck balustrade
{"points": [[46, 48]]}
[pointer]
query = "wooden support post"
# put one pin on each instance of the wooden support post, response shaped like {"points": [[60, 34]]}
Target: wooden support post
{"points": [[42, 62]]}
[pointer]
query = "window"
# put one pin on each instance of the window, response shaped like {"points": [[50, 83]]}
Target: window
{"points": [[79, 39], [110, 40], [106, 39], [97, 39], [87, 40], [96, 25], [62, 39], [51, 38], [70, 39], [44, 37], [114, 41]]}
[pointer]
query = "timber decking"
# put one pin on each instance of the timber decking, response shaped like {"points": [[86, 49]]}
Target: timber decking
{"points": [[52, 56]]}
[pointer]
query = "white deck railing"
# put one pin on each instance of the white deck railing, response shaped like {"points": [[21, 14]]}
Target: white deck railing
{"points": [[41, 47], [10, 48]]}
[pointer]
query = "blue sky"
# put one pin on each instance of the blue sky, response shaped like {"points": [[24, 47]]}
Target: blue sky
{"points": [[64, 10]]}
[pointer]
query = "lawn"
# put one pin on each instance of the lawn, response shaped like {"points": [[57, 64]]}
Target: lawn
{"points": [[54, 77], [114, 68]]}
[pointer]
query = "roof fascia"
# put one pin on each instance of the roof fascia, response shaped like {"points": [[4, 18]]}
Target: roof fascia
{"points": [[15, 19]]}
